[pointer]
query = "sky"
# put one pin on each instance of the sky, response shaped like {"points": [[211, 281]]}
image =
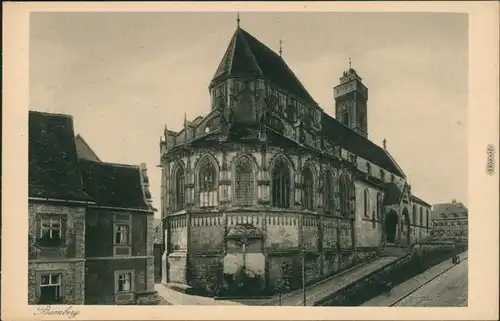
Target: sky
{"points": [[124, 76]]}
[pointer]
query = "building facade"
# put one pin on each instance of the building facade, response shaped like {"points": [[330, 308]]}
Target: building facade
{"points": [[268, 181], [450, 221], [90, 222]]}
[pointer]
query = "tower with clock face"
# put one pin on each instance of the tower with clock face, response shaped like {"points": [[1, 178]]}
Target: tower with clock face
{"points": [[351, 97]]}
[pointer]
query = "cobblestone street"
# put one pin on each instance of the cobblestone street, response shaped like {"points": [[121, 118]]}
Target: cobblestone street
{"points": [[447, 290]]}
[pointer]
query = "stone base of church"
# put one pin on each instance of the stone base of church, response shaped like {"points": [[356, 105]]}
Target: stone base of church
{"points": [[206, 275]]}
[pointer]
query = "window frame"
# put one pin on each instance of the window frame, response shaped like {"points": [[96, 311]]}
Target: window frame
{"points": [[329, 198], [366, 202], [308, 188], [117, 274], [60, 285], [179, 193], [207, 197], [284, 199], [117, 221], [61, 219]]}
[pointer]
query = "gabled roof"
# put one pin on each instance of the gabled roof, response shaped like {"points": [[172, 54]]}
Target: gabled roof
{"points": [[246, 56], [83, 149], [54, 170], [113, 185], [357, 144]]}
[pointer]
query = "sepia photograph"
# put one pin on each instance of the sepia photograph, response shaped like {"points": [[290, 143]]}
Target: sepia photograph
{"points": [[248, 158]]}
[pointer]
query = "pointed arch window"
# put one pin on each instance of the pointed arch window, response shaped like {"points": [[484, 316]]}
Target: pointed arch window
{"points": [[308, 189], [280, 187], [244, 182], [346, 196], [379, 205], [366, 202], [329, 194], [179, 189], [414, 215], [207, 184], [421, 217]]}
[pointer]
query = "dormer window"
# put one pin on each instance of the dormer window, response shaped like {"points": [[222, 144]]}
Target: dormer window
{"points": [[207, 129]]}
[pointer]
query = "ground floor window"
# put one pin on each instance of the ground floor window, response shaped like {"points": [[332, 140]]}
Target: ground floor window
{"points": [[50, 288], [124, 281]]}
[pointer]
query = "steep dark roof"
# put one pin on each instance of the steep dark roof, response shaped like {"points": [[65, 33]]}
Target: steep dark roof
{"points": [[83, 149], [53, 162], [447, 209], [246, 56], [113, 185], [357, 144]]}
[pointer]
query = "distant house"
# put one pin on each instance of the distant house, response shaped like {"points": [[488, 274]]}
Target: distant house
{"points": [[90, 222], [450, 221]]}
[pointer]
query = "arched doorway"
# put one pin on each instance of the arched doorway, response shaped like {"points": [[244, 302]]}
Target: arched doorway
{"points": [[405, 227], [391, 223]]}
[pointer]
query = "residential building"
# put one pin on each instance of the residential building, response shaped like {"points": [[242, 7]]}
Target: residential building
{"points": [[90, 222], [450, 221]]}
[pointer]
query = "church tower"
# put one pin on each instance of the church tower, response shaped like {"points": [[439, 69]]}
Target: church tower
{"points": [[351, 97]]}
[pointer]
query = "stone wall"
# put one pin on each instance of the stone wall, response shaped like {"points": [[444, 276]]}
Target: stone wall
{"points": [[73, 280], [422, 257], [100, 282], [73, 227]]}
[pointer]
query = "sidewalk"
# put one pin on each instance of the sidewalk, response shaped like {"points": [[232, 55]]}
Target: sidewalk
{"points": [[412, 284], [314, 292]]}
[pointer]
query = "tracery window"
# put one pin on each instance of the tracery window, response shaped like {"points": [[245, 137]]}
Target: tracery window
{"points": [[280, 185], [244, 182], [329, 193], [178, 201], [366, 202], [346, 196], [379, 205], [308, 189], [207, 184]]}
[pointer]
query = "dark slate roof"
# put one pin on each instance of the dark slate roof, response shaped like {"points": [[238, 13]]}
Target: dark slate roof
{"points": [[113, 185], [447, 209], [246, 56], [357, 144], [53, 162]]}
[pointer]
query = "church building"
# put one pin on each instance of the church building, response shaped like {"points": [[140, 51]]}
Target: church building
{"points": [[268, 183]]}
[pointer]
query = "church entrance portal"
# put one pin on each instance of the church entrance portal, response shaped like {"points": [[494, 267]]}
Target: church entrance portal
{"points": [[391, 222]]}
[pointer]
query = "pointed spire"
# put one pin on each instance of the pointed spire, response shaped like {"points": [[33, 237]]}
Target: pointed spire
{"points": [[281, 47], [384, 142], [238, 19], [349, 62], [165, 131], [185, 120]]}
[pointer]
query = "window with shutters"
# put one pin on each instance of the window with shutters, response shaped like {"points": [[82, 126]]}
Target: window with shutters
{"points": [[244, 184], [280, 187], [308, 189], [207, 184], [179, 189], [329, 193]]}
